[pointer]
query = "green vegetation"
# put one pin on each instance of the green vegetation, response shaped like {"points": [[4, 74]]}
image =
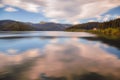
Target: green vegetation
{"points": [[109, 33], [109, 30], [15, 26]]}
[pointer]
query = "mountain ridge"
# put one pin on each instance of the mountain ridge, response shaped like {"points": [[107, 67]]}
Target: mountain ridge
{"points": [[11, 25]]}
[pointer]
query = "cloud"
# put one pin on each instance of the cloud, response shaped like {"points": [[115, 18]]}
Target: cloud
{"points": [[68, 10], [91, 21], [54, 20], [23, 4], [10, 9], [117, 16], [107, 17], [72, 11], [1, 5]]}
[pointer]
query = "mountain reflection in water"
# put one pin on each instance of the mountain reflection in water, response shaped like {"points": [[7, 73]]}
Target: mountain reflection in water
{"points": [[58, 57]]}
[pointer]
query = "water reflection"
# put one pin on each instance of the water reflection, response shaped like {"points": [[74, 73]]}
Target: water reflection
{"points": [[57, 59], [111, 42]]}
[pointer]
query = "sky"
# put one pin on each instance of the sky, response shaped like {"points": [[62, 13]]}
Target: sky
{"points": [[59, 11]]}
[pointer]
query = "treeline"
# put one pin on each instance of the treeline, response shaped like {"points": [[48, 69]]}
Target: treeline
{"points": [[98, 25]]}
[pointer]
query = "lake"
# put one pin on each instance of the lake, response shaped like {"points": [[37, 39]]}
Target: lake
{"points": [[57, 56]]}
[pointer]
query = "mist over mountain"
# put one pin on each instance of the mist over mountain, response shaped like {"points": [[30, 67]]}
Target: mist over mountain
{"points": [[10, 25]]}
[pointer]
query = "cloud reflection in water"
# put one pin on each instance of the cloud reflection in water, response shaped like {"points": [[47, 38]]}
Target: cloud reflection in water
{"points": [[70, 57]]}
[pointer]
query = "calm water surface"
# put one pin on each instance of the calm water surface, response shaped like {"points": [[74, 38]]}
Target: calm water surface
{"points": [[57, 56]]}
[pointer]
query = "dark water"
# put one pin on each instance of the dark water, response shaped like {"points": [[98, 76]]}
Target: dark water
{"points": [[57, 56]]}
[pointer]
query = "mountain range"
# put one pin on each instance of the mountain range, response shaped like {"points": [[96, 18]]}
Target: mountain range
{"points": [[10, 25]]}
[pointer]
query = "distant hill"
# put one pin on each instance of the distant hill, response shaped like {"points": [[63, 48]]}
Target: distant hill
{"points": [[50, 26], [98, 25], [9, 25]]}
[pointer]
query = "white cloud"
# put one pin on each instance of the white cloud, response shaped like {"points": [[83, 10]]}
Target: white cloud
{"points": [[10, 9], [1, 5], [54, 20], [69, 10], [91, 21], [117, 16], [75, 22], [107, 17], [23, 4], [78, 9]]}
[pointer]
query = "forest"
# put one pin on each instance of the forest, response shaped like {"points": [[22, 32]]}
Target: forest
{"points": [[111, 28]]}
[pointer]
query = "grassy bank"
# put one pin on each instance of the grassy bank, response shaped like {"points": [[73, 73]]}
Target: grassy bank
{"points": [[109, 33]]}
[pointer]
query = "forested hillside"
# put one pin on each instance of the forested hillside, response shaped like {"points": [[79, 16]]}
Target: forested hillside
{"points": [[98, 25], [9, 25]]}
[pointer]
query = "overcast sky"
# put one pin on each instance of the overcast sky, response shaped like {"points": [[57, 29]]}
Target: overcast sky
{"points": [[62, 11]]}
